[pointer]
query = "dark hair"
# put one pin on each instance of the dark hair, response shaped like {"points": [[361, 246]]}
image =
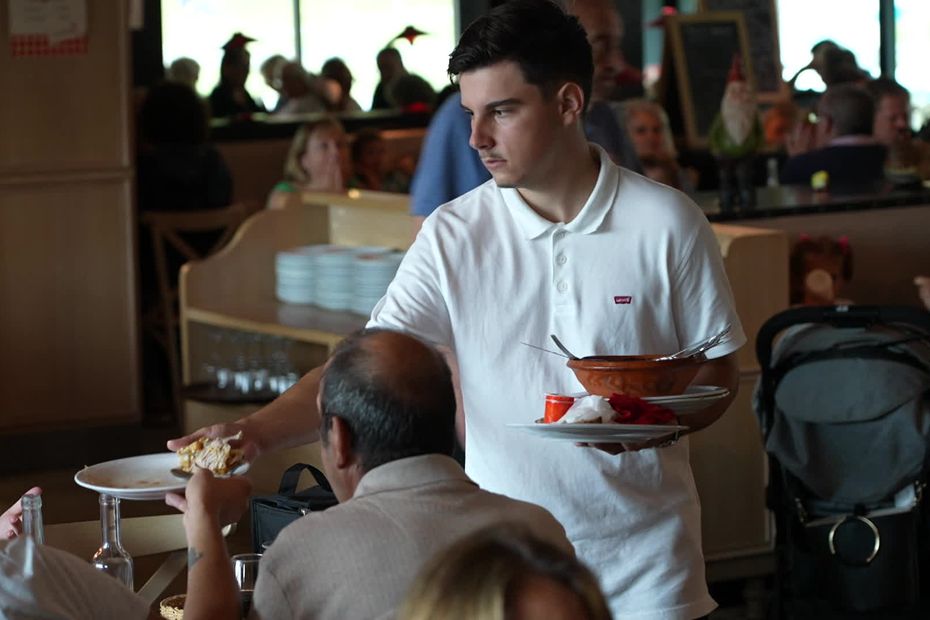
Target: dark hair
{"points": [[550, 46], [885, 87], [819, 246], [364, 137], [393, 392], [851, 109], [173, 113], [336, 69]]}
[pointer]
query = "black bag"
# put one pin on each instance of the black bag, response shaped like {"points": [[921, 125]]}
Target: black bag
{"points": [[272, 513]]}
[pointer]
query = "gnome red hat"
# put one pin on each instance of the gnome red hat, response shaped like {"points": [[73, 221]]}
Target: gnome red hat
{"points": [[736, 70], [237, 42]]}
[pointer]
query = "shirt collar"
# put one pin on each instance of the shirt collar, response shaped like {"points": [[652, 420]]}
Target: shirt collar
{"points": [[588, 219], [410, 472]]}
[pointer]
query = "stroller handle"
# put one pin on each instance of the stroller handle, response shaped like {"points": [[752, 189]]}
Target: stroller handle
{"points": [[843, 317]]}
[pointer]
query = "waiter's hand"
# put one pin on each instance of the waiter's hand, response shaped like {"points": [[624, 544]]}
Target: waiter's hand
{"points": [[247, 443], [631, 446]]}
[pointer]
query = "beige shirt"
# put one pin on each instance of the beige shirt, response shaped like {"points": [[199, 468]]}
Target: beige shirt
{"points": [[357, 560]]}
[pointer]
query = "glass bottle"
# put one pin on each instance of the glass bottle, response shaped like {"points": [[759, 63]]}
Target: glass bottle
{"points": [[111, 558], [32, 518]]}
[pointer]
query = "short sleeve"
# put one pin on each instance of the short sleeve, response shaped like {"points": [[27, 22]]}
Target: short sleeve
{"points": [[415, 300], [702, 301]]}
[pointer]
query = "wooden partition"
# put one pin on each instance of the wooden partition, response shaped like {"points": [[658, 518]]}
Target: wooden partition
{"points": [[68, 337], [728, 459], [235, 289]]}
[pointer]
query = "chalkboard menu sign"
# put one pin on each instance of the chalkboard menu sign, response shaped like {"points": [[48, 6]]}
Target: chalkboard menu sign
{"points": [[702, 48], [762, 28]]}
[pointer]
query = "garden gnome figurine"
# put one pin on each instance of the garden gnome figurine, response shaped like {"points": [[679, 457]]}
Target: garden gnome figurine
{"points": [[735, 136]]}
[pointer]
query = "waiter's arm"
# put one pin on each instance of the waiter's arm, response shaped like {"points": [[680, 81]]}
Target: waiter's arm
{"points": [[722, 372], [292, 419]]}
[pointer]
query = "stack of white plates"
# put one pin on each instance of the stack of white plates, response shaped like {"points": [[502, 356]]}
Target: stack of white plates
{"points": [[335, 277], [372, 274], [294, 275]]}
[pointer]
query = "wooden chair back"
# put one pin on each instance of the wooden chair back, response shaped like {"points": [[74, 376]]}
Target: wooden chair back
{"points": [[167, 231]]}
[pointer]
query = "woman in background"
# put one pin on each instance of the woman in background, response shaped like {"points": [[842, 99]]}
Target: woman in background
{"points": [[317, 161], [370, 165], [648, 126], [504, 572]]}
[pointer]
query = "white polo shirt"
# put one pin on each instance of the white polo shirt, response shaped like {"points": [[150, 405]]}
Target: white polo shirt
{"points": [[637, 271]]}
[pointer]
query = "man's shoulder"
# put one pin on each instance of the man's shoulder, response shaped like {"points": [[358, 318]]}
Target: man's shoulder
{"points": [[480, 208], [640, 199]]}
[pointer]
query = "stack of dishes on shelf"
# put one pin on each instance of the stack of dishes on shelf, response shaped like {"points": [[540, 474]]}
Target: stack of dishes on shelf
{"points": [[373, 272], [294, 272], [335, 277]]}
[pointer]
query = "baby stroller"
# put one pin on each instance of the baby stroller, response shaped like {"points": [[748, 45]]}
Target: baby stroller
{"points": [[844, 408]]}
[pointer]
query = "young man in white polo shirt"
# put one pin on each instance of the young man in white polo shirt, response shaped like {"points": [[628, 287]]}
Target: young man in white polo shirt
{"points": [[559, 241]]}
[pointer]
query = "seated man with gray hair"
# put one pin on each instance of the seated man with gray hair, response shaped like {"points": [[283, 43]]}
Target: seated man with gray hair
{"points": [[387, 431], [844, 146]]}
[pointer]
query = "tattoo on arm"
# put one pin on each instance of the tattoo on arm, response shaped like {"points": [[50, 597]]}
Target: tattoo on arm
{"points": [[192, 556]]}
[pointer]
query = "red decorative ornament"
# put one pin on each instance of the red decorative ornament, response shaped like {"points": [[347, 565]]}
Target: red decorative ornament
{"points": [[410, 33]]}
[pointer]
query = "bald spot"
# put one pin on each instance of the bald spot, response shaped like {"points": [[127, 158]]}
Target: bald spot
{"points": [[403, 365]]}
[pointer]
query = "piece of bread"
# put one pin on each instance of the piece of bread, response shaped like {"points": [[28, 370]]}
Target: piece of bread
{"points": [[213, 454]]}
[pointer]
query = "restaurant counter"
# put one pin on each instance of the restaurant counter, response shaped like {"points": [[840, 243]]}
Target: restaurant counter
{"points": [[887, 232]]}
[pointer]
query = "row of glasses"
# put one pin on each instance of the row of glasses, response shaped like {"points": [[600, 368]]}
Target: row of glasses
{"points": [[246, 363]]}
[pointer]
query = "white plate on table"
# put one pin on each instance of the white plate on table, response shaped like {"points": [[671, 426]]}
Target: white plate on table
{"points": [[600, 433], [145, 477]]}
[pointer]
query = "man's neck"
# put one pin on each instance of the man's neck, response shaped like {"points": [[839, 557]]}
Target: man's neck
{"points": [[561, 195]]}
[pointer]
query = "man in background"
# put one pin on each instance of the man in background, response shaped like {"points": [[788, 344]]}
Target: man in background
{"points": [[843, 144]]}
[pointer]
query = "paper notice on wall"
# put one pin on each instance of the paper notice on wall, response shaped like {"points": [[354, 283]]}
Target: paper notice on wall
{"points": [[48, 27]]}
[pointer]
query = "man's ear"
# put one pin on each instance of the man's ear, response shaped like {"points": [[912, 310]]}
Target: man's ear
{"points": [[340, 442], [571, 102]]}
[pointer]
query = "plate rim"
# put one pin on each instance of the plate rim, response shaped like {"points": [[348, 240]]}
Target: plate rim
{"points": [[130, 491]]}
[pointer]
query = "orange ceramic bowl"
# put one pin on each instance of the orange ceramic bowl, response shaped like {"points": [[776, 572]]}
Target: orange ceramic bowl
{"points": [[635, 375]]}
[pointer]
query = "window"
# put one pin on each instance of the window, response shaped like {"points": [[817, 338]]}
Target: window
{"points": [[852, 24], [355, 31], [912, 48]]}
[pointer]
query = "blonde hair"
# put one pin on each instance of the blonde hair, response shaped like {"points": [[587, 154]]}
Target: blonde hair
{"points": [[632, 107], [476, 578], [293, 171]]}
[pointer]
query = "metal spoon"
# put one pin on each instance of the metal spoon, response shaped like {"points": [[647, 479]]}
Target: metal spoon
{"points": [[533, 346], [562, 348]]}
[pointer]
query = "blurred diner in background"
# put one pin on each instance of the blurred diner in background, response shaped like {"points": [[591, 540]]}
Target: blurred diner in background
{"points": [[201, 201]]}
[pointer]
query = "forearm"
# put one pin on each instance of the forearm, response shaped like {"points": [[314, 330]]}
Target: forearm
{"points": [[211, 587], [290, 420], [723, 372]]}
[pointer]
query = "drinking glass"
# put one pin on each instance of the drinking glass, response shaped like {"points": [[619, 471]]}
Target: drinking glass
{"points": [[245, 568]]}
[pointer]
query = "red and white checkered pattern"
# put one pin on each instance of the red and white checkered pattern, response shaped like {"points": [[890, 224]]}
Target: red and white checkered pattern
{"points": [[39, 45]]}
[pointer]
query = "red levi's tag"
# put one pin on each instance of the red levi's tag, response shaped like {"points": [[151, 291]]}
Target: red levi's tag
{"points": [[623, 299]]}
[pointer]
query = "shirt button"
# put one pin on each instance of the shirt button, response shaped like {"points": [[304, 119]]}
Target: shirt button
{"points": [[561, 259], [562, 286], [559, 234]]}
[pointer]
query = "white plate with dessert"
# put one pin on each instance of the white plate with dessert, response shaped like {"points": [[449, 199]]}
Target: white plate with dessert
{"points": [[151, 476]]}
